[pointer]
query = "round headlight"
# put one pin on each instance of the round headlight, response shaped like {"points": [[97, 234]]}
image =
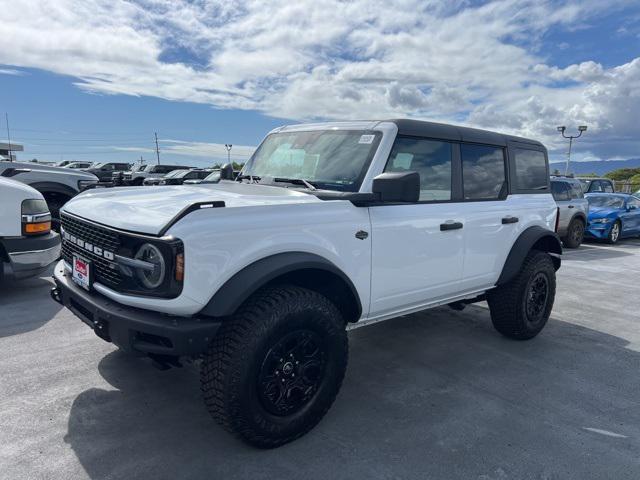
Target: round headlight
{"points": [[151, 278]]}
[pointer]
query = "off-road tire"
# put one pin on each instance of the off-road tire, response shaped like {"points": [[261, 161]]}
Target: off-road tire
{"points": [[509, 302], [236, 358], [611, 239], [575, 234]]}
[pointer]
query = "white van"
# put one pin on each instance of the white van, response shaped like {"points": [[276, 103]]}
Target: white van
{"points": [[27, 244]]}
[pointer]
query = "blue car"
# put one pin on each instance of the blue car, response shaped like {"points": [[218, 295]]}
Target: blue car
{"points": [[613, 216]]}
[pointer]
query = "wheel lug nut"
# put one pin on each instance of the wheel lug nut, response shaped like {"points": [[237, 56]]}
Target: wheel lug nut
{"points": [[277, 372]]}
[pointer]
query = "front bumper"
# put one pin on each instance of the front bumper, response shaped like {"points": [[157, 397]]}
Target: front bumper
{"points": [[598, 230], [30, 256], [134, 329]]}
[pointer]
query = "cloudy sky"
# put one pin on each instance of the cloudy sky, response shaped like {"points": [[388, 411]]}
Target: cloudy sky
{"points": [[96, 78]]}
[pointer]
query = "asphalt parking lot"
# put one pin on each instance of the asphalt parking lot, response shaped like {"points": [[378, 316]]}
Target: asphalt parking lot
{"points": [[432, 395]]}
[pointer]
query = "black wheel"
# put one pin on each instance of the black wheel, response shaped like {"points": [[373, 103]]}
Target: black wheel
{"points": [[575, 234], [614, 232], [520, 309], [137, 182], [275, 368]]}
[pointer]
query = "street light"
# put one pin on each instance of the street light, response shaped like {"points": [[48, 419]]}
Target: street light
{"points": [[228, 146], [561, 129]]}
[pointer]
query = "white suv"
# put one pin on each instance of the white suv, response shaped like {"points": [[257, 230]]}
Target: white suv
{"points": [[329, 226]]}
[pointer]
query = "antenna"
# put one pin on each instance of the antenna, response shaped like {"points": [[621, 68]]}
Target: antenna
{"points": [[157, 148], [6, 116]]}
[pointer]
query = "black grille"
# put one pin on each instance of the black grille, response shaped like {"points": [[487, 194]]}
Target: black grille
{"points": [[105, 271]]}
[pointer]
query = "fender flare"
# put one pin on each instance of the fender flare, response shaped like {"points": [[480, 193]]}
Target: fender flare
{"points": [[256, 275], [539, 237], [54, 187], [579, 215]]}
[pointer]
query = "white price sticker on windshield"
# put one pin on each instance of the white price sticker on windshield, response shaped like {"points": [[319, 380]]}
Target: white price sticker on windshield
{"points": [[366, 139]]}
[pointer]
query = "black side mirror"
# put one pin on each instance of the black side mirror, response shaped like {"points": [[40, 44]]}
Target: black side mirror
{"points": [[226, 172], [397, 187]]}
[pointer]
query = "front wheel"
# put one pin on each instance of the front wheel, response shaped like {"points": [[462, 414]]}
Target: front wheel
{"points": [[520, 308], [614, 233], [275, 368]]}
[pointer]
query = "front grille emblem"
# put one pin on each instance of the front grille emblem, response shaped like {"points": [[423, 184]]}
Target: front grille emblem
{"points": [[89, 247]]}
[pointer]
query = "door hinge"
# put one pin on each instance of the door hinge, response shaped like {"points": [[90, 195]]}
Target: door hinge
{"points": [[361, 234]]}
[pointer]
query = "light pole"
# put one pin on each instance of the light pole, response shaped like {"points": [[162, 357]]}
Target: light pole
{"points": [[228, 146], [581, 128]]}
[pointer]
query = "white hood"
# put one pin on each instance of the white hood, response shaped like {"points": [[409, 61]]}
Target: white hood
{"points": [[149, 209]]}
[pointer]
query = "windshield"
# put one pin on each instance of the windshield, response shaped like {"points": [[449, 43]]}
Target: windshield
{"points": [[606, 202], [330, 159], [174, 173], [213, 176]]}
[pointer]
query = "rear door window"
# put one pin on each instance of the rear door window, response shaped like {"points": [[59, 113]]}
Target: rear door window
{"points": [[483, 172]]}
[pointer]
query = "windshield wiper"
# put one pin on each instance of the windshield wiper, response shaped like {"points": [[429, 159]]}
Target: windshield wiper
{"points": [[251, 178], [296, 181]]}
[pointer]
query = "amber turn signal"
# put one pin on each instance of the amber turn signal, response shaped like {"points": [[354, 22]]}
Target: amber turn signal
{"points": [[180, 267], [37, 228]]}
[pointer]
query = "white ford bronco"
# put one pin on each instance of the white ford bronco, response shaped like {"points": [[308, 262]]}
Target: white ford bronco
{"points": [[329, 226]]}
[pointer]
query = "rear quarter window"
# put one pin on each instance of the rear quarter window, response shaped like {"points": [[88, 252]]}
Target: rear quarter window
{"points": [[531, 169]]}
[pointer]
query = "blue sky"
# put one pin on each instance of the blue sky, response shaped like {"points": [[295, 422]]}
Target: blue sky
{"points": [[95, 79]]}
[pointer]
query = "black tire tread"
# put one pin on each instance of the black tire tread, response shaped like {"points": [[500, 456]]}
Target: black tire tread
{"points": [[505, 301], [226, 352]]}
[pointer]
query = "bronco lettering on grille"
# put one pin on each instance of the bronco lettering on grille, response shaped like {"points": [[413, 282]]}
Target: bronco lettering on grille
{"points": [[88, 246]]}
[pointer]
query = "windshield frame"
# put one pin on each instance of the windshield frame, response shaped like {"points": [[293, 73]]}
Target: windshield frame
{"points": [[327, 186]]}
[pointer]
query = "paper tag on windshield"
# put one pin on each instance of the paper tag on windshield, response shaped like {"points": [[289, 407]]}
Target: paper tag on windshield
{"points": [[366, 139]]}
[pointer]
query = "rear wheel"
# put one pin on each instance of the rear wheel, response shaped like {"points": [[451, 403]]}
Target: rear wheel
{"points": [[575, 234], [520, 308], [614, 232], [275, 368]]}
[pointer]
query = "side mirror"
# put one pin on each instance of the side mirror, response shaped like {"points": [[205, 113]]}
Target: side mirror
{"points": [[226, 172], [397, 187]]}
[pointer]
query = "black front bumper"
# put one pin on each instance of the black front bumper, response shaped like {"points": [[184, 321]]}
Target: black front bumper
{"points": [[134, 329]]}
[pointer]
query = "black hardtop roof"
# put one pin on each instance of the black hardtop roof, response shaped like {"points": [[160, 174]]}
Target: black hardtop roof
{"points": [[421, 128]]}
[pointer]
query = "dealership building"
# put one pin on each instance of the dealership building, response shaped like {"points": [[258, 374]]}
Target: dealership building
{"points": [[8, 150]]}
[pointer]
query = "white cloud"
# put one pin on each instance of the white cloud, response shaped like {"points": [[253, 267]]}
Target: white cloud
{"points": [[213, 151], [443, 60], [11, 71]]}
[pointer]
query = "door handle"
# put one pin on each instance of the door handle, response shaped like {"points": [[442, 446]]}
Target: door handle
{"points": [[571, 206], [450, 226], [506, 220]]}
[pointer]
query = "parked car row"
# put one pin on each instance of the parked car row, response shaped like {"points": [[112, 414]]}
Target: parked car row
{"points": [[589, 207]]}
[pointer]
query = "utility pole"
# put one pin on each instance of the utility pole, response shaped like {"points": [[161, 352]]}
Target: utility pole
{"points": [[157, 148], [6, 116], [581, 130], [228, 146]]}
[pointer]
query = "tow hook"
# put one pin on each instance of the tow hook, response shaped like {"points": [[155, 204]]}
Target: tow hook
{"points": [[55, 295]]}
